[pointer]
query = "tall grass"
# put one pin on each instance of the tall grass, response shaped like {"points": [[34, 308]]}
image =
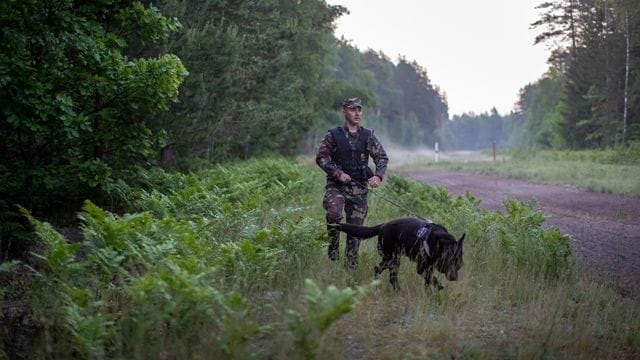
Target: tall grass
{"points": [[230, 262]]}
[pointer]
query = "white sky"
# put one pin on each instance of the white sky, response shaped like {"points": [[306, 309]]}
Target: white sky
{"points": [[479, 52]]}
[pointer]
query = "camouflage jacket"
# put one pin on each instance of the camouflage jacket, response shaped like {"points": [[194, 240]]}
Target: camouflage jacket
{"points": [[333, 169]]}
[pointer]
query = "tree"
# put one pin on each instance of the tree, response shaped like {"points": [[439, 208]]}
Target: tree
{"points": [[598, 68], [629, 12], [256, 75], [561, 20], [388, 93], [478, 131], [543, 122], [74, 107], [420, 98]]}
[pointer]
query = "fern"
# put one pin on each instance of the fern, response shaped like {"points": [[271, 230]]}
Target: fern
{"points": [[323, 309]]}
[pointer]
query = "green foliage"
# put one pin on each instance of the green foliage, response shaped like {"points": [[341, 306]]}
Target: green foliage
{"points": [[543, 125], [606, 170], [620, 155], [478, 131], [597, 104], [323, 309], [525, 243], [140, 284], [401, 104], [420, 99], [62, 295], [208, 264], [15, 237], [515, 237], [74, 107], [326, 308], [185, 273], [256, 80]]}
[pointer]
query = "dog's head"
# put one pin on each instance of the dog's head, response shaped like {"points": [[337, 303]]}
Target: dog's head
{"points": [[450, 261]]}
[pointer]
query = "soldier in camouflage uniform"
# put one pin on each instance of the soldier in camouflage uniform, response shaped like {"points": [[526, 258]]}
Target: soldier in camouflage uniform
{"points": [[344, 155]]}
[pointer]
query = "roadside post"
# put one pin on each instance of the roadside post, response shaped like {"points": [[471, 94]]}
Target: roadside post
{"points": [[436, 155]]}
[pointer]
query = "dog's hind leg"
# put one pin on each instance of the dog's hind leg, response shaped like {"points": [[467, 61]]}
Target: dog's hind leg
{"points": [[391, 263], [393, 274]]}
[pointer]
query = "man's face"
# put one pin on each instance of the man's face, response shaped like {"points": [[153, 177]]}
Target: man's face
{"points": [[353, 116]]}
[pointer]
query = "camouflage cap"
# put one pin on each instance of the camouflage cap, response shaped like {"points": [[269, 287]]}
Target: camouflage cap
{"points": [[352, 103]]}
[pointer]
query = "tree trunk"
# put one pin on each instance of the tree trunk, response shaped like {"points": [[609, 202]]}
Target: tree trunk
{"points": [[167, 155], [572, 23]]}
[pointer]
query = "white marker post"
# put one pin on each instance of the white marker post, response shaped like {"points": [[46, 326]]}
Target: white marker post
{"points": [[436, 151]]}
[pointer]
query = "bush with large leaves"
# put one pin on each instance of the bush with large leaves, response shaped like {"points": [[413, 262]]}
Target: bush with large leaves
{"points": [[74, 107]]}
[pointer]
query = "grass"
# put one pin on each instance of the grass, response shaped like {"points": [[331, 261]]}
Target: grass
{"points": [[230, 262], [606, 171], [488, 316]]}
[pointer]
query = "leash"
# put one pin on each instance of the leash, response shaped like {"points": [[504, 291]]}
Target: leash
{"points": [[379, 195]]}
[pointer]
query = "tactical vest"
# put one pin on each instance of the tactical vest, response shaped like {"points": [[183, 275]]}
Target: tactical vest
{"points": [[352, 156]]}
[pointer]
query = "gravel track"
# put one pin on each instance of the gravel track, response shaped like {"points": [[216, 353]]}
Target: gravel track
{"points": [[605, 228]]}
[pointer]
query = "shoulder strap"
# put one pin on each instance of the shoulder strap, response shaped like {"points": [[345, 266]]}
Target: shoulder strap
{"points": [[335, 132], [423, 234], [340, 139]]}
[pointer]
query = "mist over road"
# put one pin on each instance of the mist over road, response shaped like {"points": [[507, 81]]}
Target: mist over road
{"points": [[605, 228]]}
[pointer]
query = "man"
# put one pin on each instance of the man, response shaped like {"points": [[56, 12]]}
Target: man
{"points": [[344, 155]]}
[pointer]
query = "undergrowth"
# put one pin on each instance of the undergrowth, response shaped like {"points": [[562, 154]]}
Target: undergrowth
{"points": [[229, 262]]}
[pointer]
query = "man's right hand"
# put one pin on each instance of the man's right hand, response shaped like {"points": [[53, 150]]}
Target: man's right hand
{"points": [[344, 178]]}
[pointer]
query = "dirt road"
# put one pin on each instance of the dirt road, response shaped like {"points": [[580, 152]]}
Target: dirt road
{"points": [[605, 228]]}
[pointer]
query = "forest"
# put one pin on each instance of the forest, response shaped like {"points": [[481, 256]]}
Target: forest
{"points": [[92, 92], [590, 96], [109, 108]]}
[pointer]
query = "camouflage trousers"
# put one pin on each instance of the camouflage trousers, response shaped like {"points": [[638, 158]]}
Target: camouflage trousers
{"points": [[353, 201]]}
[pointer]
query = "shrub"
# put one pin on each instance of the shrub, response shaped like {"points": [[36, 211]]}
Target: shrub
{"points": [[516, 235]]}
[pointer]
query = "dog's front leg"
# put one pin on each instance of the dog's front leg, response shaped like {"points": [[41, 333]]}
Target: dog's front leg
{"points": [[430, 279], [384, 265], [377, 271], [436, 283]]}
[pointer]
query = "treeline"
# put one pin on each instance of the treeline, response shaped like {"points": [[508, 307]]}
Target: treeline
{"points": [[400, 101], [257, 76], [91, 92], [590, 96], [269, 77], [472, 131], [596, 67]]}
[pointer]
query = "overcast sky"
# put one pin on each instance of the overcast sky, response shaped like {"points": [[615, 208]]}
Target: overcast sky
{"points": [[479, 52]]}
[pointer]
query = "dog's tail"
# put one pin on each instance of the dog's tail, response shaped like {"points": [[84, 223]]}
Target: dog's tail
{"points": [[360, 231]]}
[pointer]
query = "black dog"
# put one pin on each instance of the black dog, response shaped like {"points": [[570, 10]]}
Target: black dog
{"points": [[429, 245]]}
